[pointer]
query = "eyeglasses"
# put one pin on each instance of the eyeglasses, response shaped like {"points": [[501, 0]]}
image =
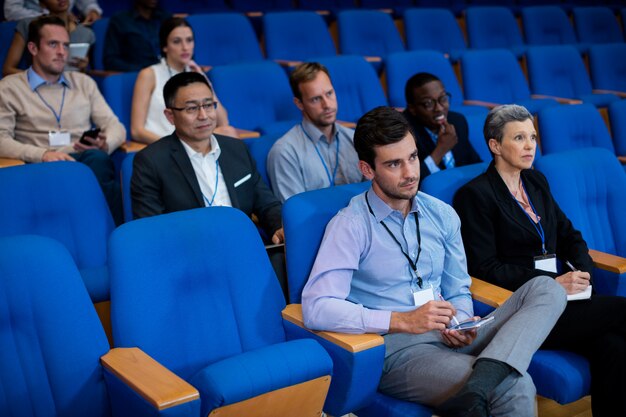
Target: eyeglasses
{"points": [[429, 104], [207, 107]]}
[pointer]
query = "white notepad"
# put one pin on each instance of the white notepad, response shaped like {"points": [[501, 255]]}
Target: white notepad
{"points": [[584, 295]]}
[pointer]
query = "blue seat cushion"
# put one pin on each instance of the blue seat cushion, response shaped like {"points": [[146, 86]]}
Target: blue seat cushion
{"points": [[559, 375], [385, 406], [259, 371], [599, 100]]}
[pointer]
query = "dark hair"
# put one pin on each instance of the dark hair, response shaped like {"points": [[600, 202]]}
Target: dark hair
{"points": [[303, 73], [499, 116], [35, 26], [179, 80], [379, 127], [417, 81], [168, 26]]}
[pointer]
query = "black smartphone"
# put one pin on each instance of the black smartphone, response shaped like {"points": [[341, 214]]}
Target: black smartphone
{"points": [[92, 133]]}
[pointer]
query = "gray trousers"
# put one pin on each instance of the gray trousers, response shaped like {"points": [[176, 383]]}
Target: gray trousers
{"points": [[421, 368]]}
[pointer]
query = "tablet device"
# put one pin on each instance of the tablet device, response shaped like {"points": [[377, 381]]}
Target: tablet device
{"points": [[471, 324], [77, 50]]}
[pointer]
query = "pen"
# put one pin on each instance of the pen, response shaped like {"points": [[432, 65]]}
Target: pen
{"points": [[570, 266], [454, 320]]}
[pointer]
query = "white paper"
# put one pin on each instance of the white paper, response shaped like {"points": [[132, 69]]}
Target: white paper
{"points": [[584, 295]]}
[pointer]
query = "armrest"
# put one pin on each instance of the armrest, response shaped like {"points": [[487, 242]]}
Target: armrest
{"points": [[350, 342], [102, 73], [489, 294], [246, 134], [9, 162], [622, 159], [157, 385], [480, 103], [131, 146], [608, 262], [373, 59], [350, 125], [561, 100], [620, 94], [287, 63]]}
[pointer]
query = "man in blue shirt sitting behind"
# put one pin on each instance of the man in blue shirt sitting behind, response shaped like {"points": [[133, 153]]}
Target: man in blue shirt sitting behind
{"points": [[387, 263]]}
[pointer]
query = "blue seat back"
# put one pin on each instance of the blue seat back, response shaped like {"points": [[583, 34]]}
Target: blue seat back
{"points": [[305, 216], [617, 116], [7, 29], [254, 94], [444, 184], [193, 7], [356, 84], [224, 38], [492, 27], [99, 28], [434, 29], [260, 5], [117, 90], [193, 287], [557, 71], [50, 338], [608, 66], [126, 173], [367, 33], [571, 127], [493, 75], [547, 25], [588, 184], [596, 25], [297, 36], [259, 148]]}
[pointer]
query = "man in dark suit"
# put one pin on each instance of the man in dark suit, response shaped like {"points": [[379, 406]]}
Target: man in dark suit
{"points": [[441, 134], [194, 168]]}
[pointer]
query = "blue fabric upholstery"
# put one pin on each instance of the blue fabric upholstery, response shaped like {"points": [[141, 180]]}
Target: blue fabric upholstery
{"points": [[434, 29], [99, 28], [61, 200], [444, 184], [223, 39], [196, 291], [559, 71], [596, 25], [494, 75], [561, 376], [608, 66], [259, 148], [493, 27], [617, 116], [572, 127], [117, 90], [549, 25], [51, 339], [356, 86], [297, 36], [126, 174], [589, 186], [256, 95]]}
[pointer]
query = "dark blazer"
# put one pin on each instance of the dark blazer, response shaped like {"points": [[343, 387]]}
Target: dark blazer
{"points": [[463, 152], [164, 181], [500, 240]]}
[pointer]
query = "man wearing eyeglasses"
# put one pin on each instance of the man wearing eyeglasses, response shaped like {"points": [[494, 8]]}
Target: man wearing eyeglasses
{"points": [[442, 135], [194, 168]]}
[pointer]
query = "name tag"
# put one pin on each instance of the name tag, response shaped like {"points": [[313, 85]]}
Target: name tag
{"points": [[422, 296], [59, 138], [546, 263]]}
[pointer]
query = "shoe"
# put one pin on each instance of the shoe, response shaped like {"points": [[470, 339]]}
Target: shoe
{"points": [[468, 404]]}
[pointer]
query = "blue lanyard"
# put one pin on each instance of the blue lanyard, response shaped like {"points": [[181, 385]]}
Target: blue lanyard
{"points": [[56, 116], [331, 180], [537, 225], [217, 177]]}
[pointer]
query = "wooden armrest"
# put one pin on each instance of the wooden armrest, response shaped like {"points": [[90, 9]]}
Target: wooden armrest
{"points": [[386, 10], [102, 73], [156, 384], [254, 14], [620, 94], [487, 104], [323, 12], [373, 59], [246, 134], [608, 262], [489, 294], [350, 125], [9, 162], [350, 342], [622, 159], [287, 63], [132, 146], [561, 100]]}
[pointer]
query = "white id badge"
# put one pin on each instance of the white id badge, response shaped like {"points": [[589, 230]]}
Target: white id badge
{"points": [[59, 138], [422, 296], [546, 263]]}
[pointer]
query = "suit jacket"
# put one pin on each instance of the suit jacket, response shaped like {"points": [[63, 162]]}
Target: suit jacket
{"points": [[463, 152], [164, 181], [500, 240]]}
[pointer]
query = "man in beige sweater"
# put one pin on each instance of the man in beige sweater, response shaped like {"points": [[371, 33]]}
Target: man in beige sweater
{"points": [[44, 111]]}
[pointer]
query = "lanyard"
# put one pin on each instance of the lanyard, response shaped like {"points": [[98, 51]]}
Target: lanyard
{"points": [[412, 263], [217, 177], [56, 116], [331, 180], [537, 225]]}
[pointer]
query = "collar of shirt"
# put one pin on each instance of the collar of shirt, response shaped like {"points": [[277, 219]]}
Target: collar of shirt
{"points": [[215, 151], [432, 134], [314, 133], [35, 80], [382, 210]]}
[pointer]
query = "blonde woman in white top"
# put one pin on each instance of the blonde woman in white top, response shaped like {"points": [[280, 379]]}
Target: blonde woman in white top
{"points": [[148, 123]]}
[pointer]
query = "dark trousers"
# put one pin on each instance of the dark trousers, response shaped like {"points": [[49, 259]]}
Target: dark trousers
{"points": [[102, 166], [596, 329]]}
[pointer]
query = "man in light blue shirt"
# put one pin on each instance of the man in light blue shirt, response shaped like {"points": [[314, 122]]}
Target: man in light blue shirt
{"points": [[318, 152], [387, 263]]}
